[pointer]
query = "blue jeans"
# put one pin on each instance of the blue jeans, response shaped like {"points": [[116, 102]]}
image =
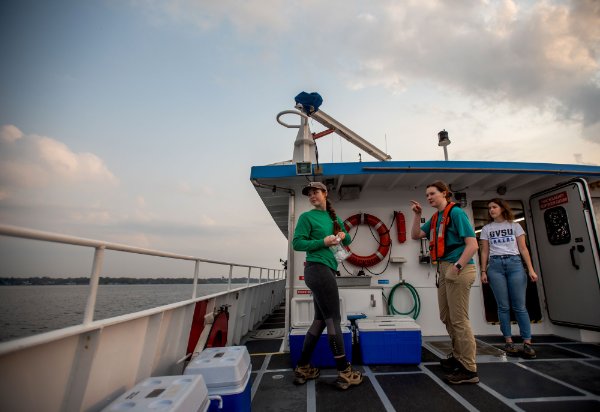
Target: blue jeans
{"points": [[509, 282]]}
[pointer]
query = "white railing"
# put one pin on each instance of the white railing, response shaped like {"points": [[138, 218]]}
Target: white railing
{"points": [[84, 367], [101, 246]]}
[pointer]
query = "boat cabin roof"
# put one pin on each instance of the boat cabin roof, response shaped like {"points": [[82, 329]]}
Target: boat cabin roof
{"points": [[274, 182]]}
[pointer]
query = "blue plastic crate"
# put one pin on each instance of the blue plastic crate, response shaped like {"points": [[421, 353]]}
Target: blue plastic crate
{"points": [[322, 356], [384, 342]]}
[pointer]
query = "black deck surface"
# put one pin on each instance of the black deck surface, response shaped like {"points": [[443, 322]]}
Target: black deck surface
{"points": [[565, 376]]}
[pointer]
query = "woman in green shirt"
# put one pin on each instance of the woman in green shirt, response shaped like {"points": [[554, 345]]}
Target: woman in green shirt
{"points": [[316, 232]]}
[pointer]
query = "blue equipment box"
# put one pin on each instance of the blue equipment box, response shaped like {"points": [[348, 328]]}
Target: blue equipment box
{"points": [[389, 340], [322, 356], [226, 372]]}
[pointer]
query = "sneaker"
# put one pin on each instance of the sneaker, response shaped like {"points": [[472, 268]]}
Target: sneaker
{"points": [[510, 348], [528, 351], [450, 364], [304, 373], [348, 377], [462, 375]]}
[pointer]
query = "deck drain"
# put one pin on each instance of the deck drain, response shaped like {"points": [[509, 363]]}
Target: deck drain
{"points": [[269, 334], [277, 376]]}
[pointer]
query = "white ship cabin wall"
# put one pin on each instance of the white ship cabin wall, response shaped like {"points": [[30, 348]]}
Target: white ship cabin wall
{"points": [[381, 199]]}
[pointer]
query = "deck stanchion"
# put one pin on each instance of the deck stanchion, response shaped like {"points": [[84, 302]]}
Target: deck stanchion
{"points": [[260, 276], [249, 270], [196, 270], [88, 315], [230, 274]]}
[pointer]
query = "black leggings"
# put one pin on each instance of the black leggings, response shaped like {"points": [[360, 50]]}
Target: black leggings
{"points": [[321, 281]]}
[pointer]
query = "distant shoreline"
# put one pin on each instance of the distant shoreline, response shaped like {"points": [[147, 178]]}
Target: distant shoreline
{"points": [[46, 281]]}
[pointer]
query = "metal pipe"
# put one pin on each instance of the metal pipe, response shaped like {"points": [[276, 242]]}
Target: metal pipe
{"points": [[26, 233], [196, 270], [88, 315], [289, 282]]}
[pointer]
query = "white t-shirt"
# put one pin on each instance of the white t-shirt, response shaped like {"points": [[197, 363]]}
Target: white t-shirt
{"points": [[502, 237]]}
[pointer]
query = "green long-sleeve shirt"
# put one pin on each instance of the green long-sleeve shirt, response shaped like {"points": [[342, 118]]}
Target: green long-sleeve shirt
{"points": [[312, 227]]}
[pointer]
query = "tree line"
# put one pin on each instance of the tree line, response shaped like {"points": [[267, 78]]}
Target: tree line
{"points": [[45, 280]]}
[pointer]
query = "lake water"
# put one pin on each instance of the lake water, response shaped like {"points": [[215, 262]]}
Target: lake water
{"points": [[29, 310]]}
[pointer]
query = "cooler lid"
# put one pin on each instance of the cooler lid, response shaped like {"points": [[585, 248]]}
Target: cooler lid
{"points": [[378, 325], [221, 367], [183, 393], [303, 312]]}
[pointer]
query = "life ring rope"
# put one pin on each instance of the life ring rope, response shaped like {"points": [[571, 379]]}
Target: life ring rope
{"points": [[384, 241]]}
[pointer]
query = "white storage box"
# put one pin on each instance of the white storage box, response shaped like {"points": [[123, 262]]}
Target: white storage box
{"points": [[226, 372], [389, 340], [164, 393], [303, 312]]}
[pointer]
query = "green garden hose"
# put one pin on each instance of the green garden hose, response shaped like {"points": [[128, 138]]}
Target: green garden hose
{"points": [[416, 309]]}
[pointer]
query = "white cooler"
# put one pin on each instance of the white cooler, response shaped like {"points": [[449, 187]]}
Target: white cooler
{"points": [[226, 372], [164, 393]]}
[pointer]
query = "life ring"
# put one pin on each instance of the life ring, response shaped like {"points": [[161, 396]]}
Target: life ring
{"points": [[384, 239]]}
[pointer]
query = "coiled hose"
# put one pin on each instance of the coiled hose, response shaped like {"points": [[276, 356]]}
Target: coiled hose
{"points": [[416, 309]]}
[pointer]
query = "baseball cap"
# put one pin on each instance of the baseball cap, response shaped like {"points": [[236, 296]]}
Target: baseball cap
{"points": [[313, 185]]}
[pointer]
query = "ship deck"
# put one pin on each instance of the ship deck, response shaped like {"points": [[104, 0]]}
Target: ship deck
{"points": [[564, 376]]}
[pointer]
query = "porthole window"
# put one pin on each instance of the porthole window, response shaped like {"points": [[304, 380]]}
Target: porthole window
{"points": [[557, 226]]}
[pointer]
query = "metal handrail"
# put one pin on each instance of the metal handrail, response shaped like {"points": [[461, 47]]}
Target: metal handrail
{"points": [[101, 246]]}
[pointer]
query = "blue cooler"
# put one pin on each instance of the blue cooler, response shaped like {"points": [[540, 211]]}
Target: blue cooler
{"points": [[389, 340], [164, 393], [322, 356], [303, 310], [226, 372]]}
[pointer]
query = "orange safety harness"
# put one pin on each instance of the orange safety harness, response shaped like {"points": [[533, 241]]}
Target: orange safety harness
{"points": [[437, 239]]}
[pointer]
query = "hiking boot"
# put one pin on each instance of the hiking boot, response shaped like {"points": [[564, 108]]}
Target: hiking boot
{"points": [[348, 377], [304, 373], [528, 351], [450, 364], [462, 375], [510, 348]]}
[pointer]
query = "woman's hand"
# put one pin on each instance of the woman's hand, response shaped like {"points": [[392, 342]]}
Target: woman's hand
{"points": [[330, 240], [484, 278], [533, 276], [416, 207], [341, 235]]}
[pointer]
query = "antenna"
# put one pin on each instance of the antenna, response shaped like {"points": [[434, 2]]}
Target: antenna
{"points": [[329, 122]]}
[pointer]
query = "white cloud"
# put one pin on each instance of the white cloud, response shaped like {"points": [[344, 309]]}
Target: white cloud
{"points": [[37, 162], [10, 133], [541, 54], [63, 162]]}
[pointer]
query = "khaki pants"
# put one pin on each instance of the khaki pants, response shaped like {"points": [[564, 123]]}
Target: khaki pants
{"points": [[453, 301]]}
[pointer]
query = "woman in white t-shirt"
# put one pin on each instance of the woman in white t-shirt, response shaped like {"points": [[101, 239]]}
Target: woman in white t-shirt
{"points": [[502, 247]]}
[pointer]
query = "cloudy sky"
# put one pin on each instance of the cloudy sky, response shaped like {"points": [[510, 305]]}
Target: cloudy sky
{"points": [[137, 121]]}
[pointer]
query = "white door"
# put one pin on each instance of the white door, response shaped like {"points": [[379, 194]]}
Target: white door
{"points": [[567, 245]]}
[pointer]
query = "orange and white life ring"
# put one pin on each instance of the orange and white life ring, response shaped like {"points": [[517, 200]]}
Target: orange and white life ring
{"points": [[384, 239]]}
